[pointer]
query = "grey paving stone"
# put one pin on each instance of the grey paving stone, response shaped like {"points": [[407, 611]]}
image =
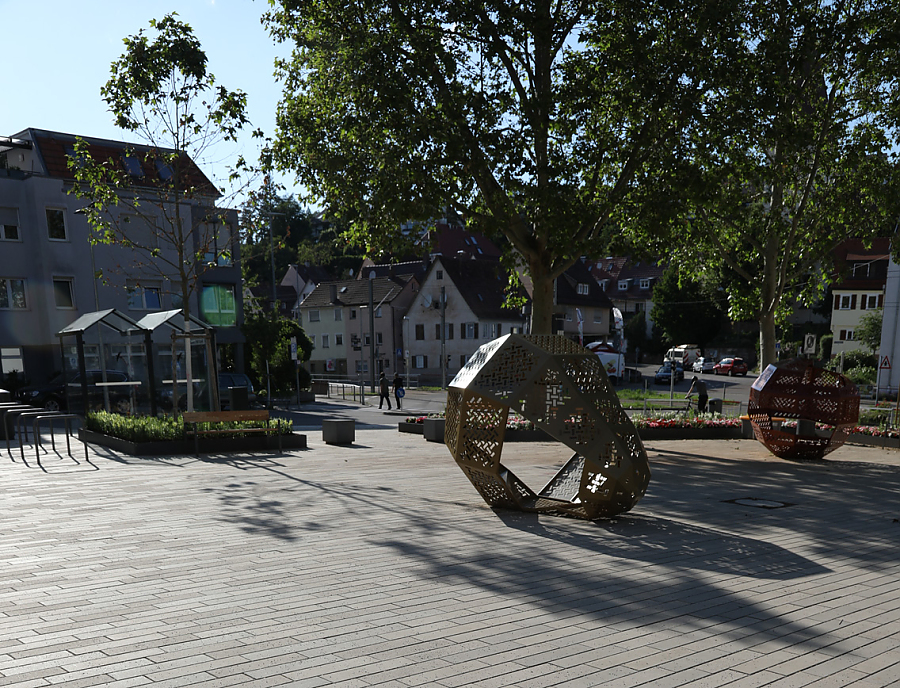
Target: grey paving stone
{"points": [[379, 565]]}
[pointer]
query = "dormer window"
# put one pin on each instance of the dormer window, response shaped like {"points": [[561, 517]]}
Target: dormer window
{"points": [[645, 283], [164, 170], [623, 285], [603, 284], [132, 166]]}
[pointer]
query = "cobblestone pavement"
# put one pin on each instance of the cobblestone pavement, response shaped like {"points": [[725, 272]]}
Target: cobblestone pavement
{"points": [[378, 565]]}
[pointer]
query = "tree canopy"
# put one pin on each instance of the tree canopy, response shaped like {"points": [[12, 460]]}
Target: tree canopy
{"points": [[686, 310], [160, 89], [534, 121], [796, 152]]}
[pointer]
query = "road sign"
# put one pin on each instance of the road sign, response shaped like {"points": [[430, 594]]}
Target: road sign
{"points": [[885, 363], [809, 344], [293, 348]]}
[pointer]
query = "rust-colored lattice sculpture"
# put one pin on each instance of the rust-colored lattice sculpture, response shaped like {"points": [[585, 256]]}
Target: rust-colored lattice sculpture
{"points": [[563, 389], [815, 397]]}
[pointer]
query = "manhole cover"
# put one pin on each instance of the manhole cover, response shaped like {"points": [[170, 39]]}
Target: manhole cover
{"points": [[758, 503]]}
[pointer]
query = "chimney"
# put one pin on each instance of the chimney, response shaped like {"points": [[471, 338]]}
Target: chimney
{"points": [[333, 288]]}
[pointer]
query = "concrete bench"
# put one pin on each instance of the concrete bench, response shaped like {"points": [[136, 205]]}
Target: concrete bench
{"points": [[339, 431]]}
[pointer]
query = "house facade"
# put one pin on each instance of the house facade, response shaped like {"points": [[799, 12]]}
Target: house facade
{"points": [[468, 296], [582, 310], [860, 290], [629, 285], [48, 265], [336, 317]]}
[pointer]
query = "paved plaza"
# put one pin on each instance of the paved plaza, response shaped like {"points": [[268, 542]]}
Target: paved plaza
{"points": [[378, 564]]}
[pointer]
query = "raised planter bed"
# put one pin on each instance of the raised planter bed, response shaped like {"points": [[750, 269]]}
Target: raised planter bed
{"points": [[660, 434], [414, 428], [207, 446], [874, 441]]}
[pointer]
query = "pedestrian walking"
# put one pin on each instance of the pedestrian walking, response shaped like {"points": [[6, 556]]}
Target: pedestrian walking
{"points": [[384, 392], [702, 395], [399, 392]]}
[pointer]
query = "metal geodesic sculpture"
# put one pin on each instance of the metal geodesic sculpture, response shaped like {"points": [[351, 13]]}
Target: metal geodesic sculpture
{"points": [[825, 405], [563, 389]]}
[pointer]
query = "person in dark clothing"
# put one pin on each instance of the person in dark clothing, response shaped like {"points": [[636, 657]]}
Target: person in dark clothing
{"points": [[384, 392], [702, 395], [398, 388]]}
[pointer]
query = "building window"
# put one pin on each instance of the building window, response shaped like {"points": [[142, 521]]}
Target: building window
{"points": [[63, 293], [868, 302], [462, 360], [623, 285], [598, 316], [439, 274], [217, 305], [362, 366], [645, 283], [11, 360], [378, 312], [337, 315], [568, 315], [603, 284], [56, 224], [449, 330], [133, 165], [582, 289], [339, 340], [845, 302], [9, 224], [163, 169], [420, 332], [420, 362], [12, 293], [325, 343], [379, 339], [846, 335], [437, 330], [217, 240], [639, 306], [312, 338], [143, 298], [314, 316], [468, 331], [353, 314], [367, 339]]}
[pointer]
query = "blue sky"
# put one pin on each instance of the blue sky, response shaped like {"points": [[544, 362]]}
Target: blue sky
{"points": [[56, 55]]}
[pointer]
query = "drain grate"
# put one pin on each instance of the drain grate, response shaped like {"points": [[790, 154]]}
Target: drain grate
{"points": [[758, 503]]}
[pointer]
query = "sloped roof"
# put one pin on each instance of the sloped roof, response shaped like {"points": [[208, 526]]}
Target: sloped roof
{"points": [[412, 268], [52, 147], [567, 288], [353, 292], [452, 241], [875, 257], [482, 285]]}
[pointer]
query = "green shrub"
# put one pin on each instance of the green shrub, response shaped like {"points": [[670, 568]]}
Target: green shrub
{"points": [[861, 375], [163, 428]]}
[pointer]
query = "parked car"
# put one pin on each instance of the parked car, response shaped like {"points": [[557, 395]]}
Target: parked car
{"points": [[664, 374], [704, 365], [226, 380], [731, 366], [52, 396]]}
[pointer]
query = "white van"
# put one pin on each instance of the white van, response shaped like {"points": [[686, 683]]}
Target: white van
{"points": [[686, 353]]}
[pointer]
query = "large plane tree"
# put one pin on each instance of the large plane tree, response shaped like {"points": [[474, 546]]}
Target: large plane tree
{"points": [[534, 121]]}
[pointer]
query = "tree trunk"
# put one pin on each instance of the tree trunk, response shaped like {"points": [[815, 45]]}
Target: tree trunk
{"points": [[766, 339], [542, 299]]}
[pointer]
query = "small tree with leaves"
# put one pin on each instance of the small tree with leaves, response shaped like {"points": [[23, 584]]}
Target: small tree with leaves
{"points": [[160, 89], [868, 332]]}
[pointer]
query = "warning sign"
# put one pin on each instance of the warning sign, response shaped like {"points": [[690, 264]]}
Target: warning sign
{"points": [[885, 363]]}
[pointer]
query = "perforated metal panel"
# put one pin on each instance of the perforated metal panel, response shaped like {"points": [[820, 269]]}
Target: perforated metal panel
{"points": [[825, 405], [563, 389]]}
